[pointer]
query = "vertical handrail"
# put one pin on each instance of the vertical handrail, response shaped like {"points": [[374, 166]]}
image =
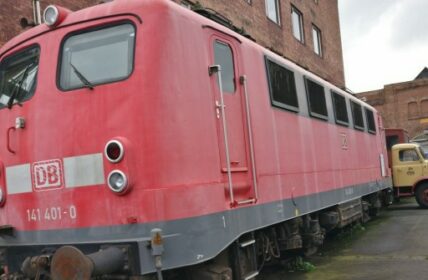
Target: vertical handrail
{"points": [[10, 129], [243, 81], [217, 69]]}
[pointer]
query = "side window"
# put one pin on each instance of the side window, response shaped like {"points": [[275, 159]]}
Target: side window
{"points": [[223, 56], [18, 75], [316, 98], [97, 57], [408, 155], [340, 109], [357, 114], [370, 121], [282, 86]]}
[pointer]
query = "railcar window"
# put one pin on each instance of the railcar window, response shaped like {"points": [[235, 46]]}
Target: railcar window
{"points": [[357, 114], [370, 121], [18, 75], [340, 109], [316, 98], [97, 57], [223, 56], [408, 155], [282, 86]]}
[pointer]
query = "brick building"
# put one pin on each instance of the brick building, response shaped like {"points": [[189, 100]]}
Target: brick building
{"points": [[305, 31], [403, 105]]}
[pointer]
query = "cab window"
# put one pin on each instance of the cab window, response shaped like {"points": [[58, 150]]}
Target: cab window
{"points": [[18, 75], [97, 57], [408, 155]]}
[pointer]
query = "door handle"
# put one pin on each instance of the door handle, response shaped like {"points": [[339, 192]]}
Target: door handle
{"points": [[9, 130], [218, 108], [218, 105]]}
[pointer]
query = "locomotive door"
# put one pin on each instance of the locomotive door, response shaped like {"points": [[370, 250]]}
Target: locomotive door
{"points": [[233, 120]]}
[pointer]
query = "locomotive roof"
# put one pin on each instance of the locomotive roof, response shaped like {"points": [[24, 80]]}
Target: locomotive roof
{"points": [[123, 7]]}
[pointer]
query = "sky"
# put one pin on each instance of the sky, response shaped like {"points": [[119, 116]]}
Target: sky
{"points": [[383, 41]]}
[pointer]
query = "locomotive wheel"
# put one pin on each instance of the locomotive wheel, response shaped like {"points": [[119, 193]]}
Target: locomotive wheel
{"points": [[422, 196]]}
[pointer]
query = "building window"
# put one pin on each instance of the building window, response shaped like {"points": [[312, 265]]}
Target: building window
{"points": [[357, 114], [223, 56], [424, 107], [412, 110], [282, 86], [297, 24], [370, 121], [272, 10], [316, 37], [340, 109], [316, 99]]}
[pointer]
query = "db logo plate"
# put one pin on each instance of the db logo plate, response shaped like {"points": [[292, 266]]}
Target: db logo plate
{"points": [[47, 174]]}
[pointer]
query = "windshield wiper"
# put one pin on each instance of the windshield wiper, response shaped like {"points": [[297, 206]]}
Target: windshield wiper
{"points": [[18, 88], [82, 78]]}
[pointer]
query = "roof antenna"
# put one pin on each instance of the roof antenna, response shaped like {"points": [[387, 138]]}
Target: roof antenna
{"points": [[24, 22], [37, 17]]}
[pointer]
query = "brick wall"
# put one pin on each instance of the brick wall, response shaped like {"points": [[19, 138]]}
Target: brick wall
{"points": [[251, 17], [11, 11], [402, 105], [323, 13]]}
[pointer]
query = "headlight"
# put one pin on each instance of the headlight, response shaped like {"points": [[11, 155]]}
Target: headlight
{"points": [[114, 151], [51, 15], [117, 181]]}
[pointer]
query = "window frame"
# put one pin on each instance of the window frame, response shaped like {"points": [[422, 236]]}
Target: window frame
{"points": [[314, 114], [277, 10], [275, 103], [88, 30], [401, 155], [301, 25], [318, 42], [367, 111], [357, 127], [18, 52], [233, 56], [417, 113], [340, 122]]}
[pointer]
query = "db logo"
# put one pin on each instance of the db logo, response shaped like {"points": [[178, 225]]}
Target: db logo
{"points": [[47, 174]]}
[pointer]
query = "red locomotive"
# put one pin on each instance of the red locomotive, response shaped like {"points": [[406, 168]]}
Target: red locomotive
{"points": [[142, 139]]}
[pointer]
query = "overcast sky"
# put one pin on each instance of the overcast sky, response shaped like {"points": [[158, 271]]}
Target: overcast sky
{"points": [[383, 41]]}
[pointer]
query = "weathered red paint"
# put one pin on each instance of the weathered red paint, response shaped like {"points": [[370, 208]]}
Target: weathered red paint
{"points": [[165, 111]]}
